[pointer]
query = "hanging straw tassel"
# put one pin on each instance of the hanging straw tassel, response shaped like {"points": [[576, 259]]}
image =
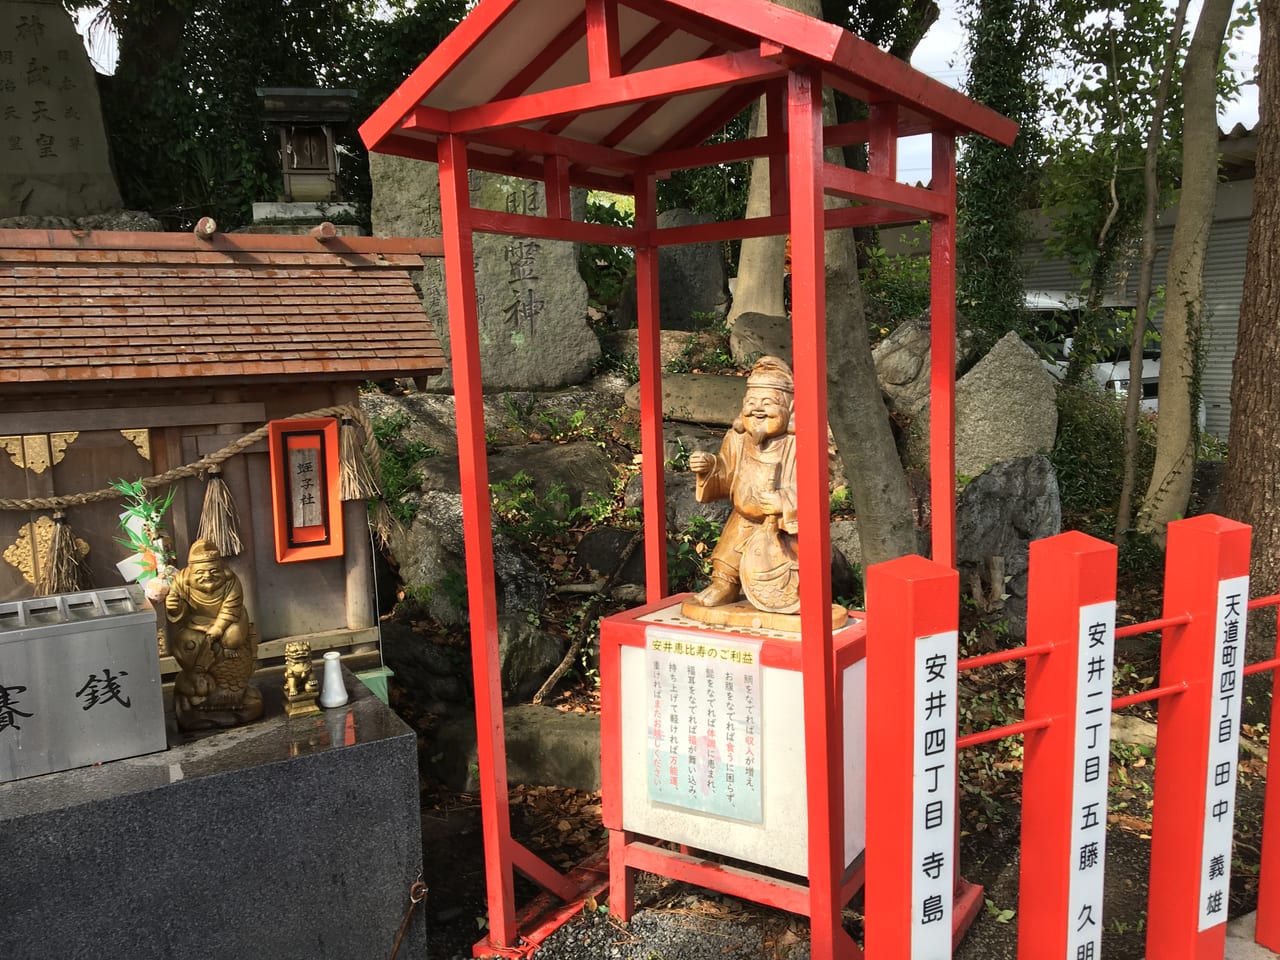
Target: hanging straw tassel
{"points": [[355, 472], [64, 570], [219, 522], [385, 526]]}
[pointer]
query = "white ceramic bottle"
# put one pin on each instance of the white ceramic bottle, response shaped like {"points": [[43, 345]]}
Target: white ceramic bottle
{"points": [[334, 692]]}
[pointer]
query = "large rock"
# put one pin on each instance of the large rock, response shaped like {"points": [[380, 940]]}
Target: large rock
{"points": [[53, 158], [998, 514], [693, 286], [682, 503], [759, 334], [902, 368], [1006, 407], [132, 221], [531, 301], [431, 558], [514, 418], [545, 747], [697, 397]]}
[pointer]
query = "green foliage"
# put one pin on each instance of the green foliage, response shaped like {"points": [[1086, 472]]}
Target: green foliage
{"points": [[143, 525], [708, 351], [1008, 46], [719, 191], [607, 270], [997, 913], [1093, 191], [897, 283], [182, 110], [401, 458], [841, 502], [1088, 454], [690, 565], [526, 515]]}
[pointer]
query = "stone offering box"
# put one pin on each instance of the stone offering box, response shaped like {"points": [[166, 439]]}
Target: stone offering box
{"points": [[702, 735], [79, 681], [293, 839]]}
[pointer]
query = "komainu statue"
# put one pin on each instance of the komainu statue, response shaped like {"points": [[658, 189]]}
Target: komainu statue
{"points": [[301, 688], [214, 642]]}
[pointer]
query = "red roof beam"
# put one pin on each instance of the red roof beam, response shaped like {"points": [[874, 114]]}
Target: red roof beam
{"points": [[545, 228], [630, 60], [527, 142], [713, 118], [642, 115], [604, 55], [859, 132], [856, 185], [777, 224], [775, 106], [474, 27], [729, 37], [517, 166], [916, 92], [546, 58], [733, 69], [855, 62], [556, 178], [708, 155]]}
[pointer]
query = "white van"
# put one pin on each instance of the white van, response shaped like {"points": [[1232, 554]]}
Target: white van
{"points": [[1054, 316]]}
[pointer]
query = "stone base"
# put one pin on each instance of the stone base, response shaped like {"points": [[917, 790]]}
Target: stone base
{"points": [[295, 839], [743, 614], [304, 704]]}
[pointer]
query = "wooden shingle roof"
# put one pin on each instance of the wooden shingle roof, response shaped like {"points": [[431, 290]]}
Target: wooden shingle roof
{"points": [[78, 307]]}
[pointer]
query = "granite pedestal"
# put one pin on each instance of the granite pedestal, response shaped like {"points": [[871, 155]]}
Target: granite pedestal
{"points": [[288, 838]]}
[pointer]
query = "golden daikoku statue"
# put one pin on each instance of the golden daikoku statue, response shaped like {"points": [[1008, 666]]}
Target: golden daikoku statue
{"points": [[756, 556], [214, 642]]}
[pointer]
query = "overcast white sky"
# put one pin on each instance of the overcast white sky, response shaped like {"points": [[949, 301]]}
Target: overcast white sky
{"points": [[941, 55]]}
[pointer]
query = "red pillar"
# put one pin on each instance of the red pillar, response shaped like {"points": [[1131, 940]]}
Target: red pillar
{"points": [[648, 345], [1206, 575], [473, 470], [912, 636], [1071, 604], [942, 344], [822, 728]]}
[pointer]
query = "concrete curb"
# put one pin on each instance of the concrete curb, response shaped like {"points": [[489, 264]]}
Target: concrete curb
{"points": [[1240, 945]]}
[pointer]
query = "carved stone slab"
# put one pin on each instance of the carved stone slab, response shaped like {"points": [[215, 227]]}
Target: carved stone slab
{"points": [[53, 147]]}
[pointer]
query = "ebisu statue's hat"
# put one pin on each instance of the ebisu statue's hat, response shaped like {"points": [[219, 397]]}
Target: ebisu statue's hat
{"points": [[203, 551], [773, 373]]}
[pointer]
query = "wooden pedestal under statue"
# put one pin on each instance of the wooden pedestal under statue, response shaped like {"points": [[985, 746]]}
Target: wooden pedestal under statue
{"points": [[703, 741]]}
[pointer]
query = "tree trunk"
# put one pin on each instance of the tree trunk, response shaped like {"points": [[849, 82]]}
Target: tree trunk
{"points": [[855, 407], [857, 413], [758, 287], [1146, 270], [1252, 485], [1170, 487]]}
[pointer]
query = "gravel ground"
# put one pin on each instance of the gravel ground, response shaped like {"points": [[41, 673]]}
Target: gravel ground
{"points": [[665, 935]]}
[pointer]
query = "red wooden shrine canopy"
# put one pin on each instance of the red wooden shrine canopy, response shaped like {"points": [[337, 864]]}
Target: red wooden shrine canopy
{"points": [[611, 95]]}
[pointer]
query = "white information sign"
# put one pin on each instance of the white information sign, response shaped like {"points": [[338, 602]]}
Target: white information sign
{"points": [[1095, 667], [1224, 747], [704, 738], [934, 796]]}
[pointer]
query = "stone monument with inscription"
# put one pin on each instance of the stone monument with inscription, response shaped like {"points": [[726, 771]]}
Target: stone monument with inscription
{"points": [[53, 146], [531, 300]]}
